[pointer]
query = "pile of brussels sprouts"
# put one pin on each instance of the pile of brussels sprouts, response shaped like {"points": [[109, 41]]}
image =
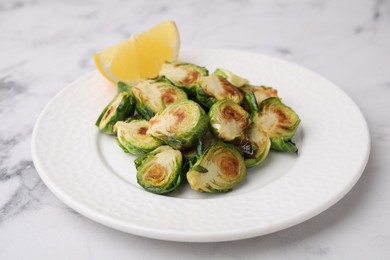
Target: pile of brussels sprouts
{"points": [[189, 124]]}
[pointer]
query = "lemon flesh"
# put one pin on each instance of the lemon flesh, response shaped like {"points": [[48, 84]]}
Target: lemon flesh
{"points": [[141, 56]]}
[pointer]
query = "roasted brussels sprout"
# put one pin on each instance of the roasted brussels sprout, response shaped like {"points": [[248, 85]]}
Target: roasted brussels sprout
{"points": [[228, 120], [180, 125], [120, 107], [132, 137], [261, 92], [219, 169], [183, 75], [160, 170], [231, 77], [260, 145], [280, 122], [152, 96], [213, 88]]}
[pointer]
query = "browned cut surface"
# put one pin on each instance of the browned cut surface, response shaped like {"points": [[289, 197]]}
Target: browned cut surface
{"points": [[190, 78], [142, 130], [229, 88], [154, 121], [262, 93], [108, 112], [230, 113], [281, 116], [155, 173], [180, 115], [169, 96], [273, 92], [229, 166]]}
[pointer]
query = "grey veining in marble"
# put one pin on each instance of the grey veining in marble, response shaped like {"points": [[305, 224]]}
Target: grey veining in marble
{"points": [[45, 45]]}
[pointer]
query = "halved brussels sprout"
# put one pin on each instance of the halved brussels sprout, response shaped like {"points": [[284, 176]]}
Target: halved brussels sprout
{"points": [[132, 137], [180, 125], [280, 122], [153, 96], [183, 75], [213, 88], [231, 77], [120, 107], [160, 170], [228, 120], [260, 144], [261, 92], [220, 168]]}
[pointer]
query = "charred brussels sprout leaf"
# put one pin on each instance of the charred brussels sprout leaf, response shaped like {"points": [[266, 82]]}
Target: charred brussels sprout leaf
{"points": [[280, 122], [231, 77], [193, 154], [220, 169], [181, 125], [228, 120], [160, 170], [120, 107], [261, 92], [183, 75], [153, 96], [213, 88], [132, 137]]}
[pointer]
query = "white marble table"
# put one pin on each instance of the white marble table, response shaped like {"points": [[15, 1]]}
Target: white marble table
{"points": [[45, 45]]}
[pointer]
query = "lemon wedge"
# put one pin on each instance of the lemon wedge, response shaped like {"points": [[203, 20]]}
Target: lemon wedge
{"points": [[141, 56]]}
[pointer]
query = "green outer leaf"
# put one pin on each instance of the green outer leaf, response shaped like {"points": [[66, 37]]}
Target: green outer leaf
{"points": [[123, 87], [200, 169], [251, 100], [97, 123], [200, 148], [175, 142], [282, 145], [121, 146], [139, 160], [134, 117], [133, 149], [203, 98], [144, 110], [220, 72], [190, 91], [124, 110]]}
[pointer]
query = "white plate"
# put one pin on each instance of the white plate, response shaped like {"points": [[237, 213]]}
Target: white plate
{"points": [[91, 174]]}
